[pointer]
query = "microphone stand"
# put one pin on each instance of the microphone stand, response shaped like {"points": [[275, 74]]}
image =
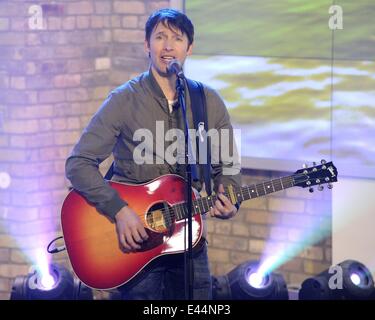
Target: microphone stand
{"points": [[189, 275]]}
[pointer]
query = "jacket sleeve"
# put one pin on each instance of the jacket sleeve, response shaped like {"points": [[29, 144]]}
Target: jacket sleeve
{"points": [[225, 158], [94, 146]]}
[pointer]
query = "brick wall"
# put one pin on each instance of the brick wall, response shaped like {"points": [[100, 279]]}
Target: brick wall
{"points": [[53, 76]]}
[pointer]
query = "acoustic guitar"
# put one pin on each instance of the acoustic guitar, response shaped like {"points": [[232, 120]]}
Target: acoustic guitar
{"points": [[91, 239]]}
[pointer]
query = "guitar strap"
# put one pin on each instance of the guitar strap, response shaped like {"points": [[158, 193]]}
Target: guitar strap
{"points": [[108, 176], [199, 111]]}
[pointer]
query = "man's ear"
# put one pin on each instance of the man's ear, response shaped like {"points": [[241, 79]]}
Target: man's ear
{"points": [[147, 48], [190, 50]]}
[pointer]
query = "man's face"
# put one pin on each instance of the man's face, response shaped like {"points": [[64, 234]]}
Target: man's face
{"points": [[167, 44]]}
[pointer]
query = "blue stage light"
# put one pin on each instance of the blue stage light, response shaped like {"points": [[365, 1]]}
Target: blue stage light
{"points": [[348, 280], [246, 283], [58, 285]]}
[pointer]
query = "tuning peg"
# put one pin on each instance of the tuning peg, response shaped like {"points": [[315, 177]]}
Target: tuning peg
{"points": [[329, 186], [314, 163], [311, 189], [320, 188], [323, 161], [305, 166]]}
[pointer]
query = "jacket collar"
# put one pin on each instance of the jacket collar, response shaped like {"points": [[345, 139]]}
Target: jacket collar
{"points": [[153, 84]]}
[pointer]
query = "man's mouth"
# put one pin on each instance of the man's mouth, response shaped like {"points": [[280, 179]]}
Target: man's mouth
{"points": [[167, 59]]}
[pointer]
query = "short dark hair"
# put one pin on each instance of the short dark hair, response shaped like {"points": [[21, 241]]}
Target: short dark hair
{"points": [[170, 18]]}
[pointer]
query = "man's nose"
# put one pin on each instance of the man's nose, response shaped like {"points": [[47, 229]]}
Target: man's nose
{"points": [[168, 45]]}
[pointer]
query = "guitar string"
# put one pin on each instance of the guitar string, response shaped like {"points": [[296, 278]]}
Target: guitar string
{"points": [[170, 211], [285, 180], [169, 214]]}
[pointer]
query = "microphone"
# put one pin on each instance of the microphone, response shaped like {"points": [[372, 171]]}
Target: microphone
{"points": [[175, 66]]}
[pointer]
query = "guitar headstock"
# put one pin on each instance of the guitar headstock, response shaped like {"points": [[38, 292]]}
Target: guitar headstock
{"points": [[324, 173]]}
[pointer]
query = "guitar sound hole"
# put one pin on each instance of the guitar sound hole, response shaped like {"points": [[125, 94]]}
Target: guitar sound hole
{"points": [[160, 217]]}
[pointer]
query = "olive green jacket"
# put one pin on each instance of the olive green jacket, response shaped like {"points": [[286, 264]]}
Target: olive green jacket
{"points": [[135, 105]]}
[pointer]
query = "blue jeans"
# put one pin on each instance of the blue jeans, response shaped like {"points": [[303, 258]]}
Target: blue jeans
{"points": [[163, 278]]}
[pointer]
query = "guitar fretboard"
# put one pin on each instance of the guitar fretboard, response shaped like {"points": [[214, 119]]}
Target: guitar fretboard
{"points": [[202, 205]]}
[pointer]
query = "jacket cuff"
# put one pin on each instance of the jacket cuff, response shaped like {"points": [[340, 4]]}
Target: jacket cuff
{"points": [[113, 206]]}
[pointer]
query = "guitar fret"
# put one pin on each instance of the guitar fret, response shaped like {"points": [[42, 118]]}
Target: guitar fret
{"points": [[212, 200], [267, 187], [239, 194], [255, 191], [244, 194], [281, 184], [183, 213], [276, 185], [203, 205], [197, 204], [260, 191], [207, 207], [174, 208], [264, 187], [182, 210], [287, 182], [248, 191], [241, 191], [179, 211], [273, 187], [208, 204], [197, 207], [200, 205]]}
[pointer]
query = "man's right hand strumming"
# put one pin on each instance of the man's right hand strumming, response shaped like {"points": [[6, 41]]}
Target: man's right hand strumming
{"points": [[130, 230]]}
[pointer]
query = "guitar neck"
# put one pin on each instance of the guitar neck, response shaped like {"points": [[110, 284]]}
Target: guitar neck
{"points": [[202, 205]]}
